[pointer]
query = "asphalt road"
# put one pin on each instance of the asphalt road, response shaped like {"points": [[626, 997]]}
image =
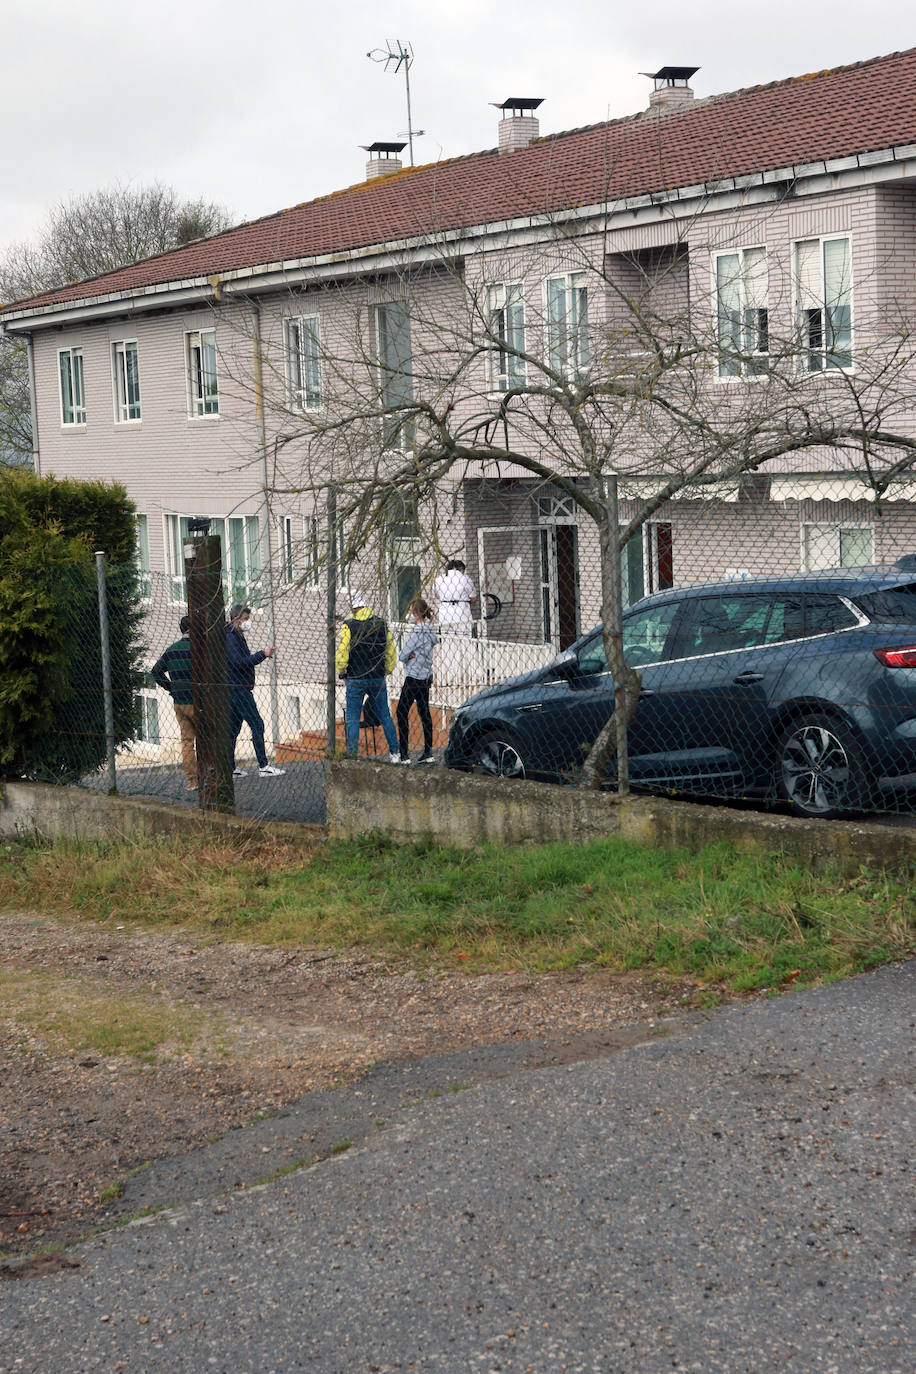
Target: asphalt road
{"points": [[734, 1196]]}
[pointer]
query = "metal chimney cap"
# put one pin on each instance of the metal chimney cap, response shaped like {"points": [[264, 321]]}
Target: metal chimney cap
{"points": [[386, 149], [520, 103], [667, 76]]}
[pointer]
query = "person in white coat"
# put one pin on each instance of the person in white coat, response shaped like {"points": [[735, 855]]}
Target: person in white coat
{"points": [[455, 593]]}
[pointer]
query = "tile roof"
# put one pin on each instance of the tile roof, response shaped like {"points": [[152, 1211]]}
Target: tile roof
{"points": [[830, 114]]}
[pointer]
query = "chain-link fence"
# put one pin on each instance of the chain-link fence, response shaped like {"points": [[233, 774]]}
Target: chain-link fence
{"points": [[776, 656]]}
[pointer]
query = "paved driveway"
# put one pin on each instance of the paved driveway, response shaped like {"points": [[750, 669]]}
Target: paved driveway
{"points": [[734, 1196]]}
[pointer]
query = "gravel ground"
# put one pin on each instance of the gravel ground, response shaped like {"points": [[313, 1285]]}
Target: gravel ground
{"points": [[271, 1026]]}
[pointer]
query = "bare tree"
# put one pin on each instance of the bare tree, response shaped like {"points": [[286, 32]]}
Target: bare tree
{"points": [[444, 373], [85, 237]]}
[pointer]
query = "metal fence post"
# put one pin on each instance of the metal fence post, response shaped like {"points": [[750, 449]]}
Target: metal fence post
{"points": [[332, 615], [614, 599], [105, 642]]}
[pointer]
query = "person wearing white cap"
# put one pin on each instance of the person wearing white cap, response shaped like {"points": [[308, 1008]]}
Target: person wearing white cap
{"points": [[366, 654]]}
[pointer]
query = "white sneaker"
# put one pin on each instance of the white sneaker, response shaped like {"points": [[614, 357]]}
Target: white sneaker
{"points": [[240, 772], [395, 758], [269, 771], [426, 758]]}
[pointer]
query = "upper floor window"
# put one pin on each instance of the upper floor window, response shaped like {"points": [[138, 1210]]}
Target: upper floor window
{"points": [[303, 361], [507, 326], [203, 389], [126, 366], [823, 284], [741, 312], [567, 323], [395, 373], [72, 395]]}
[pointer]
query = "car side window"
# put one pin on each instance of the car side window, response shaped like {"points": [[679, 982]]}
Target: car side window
{"points": [[720, 623], [824, 614], [644, 637], [787, 620]]}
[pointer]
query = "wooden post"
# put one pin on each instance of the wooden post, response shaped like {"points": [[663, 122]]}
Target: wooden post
{"points": [[209, 675]]}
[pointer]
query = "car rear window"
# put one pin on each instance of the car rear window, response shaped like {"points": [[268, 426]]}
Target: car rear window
{"points": [[825, 614], [894, 605]]}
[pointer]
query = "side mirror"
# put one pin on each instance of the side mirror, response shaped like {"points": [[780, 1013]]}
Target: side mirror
{"points": [[565, 664]]}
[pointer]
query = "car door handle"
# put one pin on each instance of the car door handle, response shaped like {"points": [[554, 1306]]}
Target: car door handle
{"points": [[535, 706], [747, 679], [646, 692]]}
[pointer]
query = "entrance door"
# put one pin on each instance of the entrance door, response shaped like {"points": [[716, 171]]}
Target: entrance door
{"points": [[560, 583], [534, 570]]}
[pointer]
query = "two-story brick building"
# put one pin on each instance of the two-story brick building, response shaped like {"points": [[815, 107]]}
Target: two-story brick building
{"points": [[240, 376]]}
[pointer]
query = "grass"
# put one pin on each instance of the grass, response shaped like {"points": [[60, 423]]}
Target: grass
{"points": [[71, 1015], [730, 921]]}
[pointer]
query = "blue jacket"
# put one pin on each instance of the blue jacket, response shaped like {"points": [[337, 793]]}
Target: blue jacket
{"points": [[240, 660]]}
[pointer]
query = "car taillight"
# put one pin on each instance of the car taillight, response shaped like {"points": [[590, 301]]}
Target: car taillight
{"points": [[897, 658]]}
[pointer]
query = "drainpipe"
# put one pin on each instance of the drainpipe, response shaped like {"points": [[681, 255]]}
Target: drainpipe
{"points": [[36, 452], [266, 541]]}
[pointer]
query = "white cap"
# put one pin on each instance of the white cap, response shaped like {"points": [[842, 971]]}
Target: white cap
{"points": [[357, 598]]}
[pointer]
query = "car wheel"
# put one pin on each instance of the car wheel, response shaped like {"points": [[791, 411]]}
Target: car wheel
{"points": [[496, 756], [820, 769]]}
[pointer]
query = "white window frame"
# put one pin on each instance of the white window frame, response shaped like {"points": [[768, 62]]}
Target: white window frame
{"points": [[743, 341], [72, 407], [827, 530], [811, 297], [126, 381], [241, 545], [141, 558], [303, 361], [567, 328], [395, 377], [506, 322], [199, 347], [150, 725]]}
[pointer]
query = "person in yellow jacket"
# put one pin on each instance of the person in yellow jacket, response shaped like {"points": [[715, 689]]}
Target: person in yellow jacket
{"points": [[366, 654]]}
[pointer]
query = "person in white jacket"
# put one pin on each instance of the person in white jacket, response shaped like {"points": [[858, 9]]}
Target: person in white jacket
{"points": [[455, 592], [417, 657]]}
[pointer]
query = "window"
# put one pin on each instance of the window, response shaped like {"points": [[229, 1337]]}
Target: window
{"points": [[647, 561], [645, 634], [239, 537], [403, 556], [395, 373], [823, 284], [203, 390], [838, 546], [141, 555], [507, 324], [72, 396], [303, 361], [147, 708], [741, 309], [299, 556], [126, 381], [567, 323]]}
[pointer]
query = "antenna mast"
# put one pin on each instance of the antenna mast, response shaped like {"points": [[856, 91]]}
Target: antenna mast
{"points": [[401, 54]]}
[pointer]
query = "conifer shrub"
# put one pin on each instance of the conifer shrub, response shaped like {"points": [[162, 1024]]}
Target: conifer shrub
{"points": [[52, 710]]}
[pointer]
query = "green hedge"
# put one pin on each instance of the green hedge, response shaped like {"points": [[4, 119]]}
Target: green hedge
{"points": [[52, 713]]}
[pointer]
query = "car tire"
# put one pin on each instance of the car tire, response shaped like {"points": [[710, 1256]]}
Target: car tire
{"points": [[496, 755], [820, 768]]}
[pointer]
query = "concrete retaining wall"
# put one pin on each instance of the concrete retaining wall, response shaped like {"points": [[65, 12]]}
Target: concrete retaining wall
{"points": [[49, 812], [466, 811]]}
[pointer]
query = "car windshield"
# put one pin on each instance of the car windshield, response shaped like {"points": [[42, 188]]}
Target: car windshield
{"points": [[896, 605]]}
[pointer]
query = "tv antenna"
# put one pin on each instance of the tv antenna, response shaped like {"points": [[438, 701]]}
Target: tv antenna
{"points": [[401, 54]]}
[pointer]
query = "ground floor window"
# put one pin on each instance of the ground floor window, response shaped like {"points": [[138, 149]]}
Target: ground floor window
{"points": [[837, 546], [147, 717], [239, 537], [647, 561]]}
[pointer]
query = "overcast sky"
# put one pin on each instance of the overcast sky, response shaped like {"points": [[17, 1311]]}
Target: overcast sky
{"points": [[260, 104]]}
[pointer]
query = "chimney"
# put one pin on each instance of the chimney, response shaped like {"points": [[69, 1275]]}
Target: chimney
{"points": [[383, 158], [519, 125], [670, 90]]}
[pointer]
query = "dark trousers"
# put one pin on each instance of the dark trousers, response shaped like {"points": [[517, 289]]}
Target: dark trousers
{"points": [[242, 710], [415, 689]]}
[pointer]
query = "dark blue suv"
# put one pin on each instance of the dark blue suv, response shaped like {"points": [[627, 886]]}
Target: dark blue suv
{"points": [[801, 688]]}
